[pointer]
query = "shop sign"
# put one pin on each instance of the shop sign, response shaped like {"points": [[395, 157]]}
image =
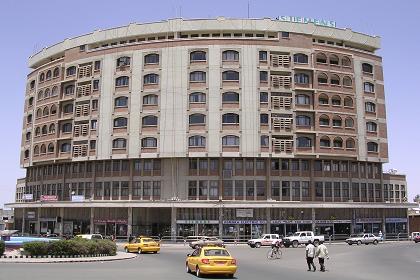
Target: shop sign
{"points": [[77, 198], [244, 222], [28, 196], [193, 222], [244, 213], [49, 198], [333, 221], [117, 221], [320, 22], [291, 221], [395, 220], [30, 214], [369, 220]]}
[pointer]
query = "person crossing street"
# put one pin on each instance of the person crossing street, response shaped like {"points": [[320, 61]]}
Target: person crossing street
{"points": [[322, 253], [310, 254]]}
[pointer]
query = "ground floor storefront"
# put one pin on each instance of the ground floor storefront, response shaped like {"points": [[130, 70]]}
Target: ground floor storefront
{"points": [[229, 221]]}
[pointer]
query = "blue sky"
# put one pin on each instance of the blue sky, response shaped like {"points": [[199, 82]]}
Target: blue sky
{"points": [[27, 26]]}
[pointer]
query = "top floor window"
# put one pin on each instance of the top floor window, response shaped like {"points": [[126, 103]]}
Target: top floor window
{"points": [[300, 58], [71, 71], [367, 68], [123, 61], [56, 72], [49, 75], [230, 55], [41, 77], [321, 58], [152, 58], [198, 56]]}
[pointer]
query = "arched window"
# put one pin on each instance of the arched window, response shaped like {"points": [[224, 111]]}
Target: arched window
{"points": [[322, 78], [347, 81], [197, 119], [372, 147], [350, 144], [335, 79], [149, 142], [41, 77], [32, 84], [53, 109], [39, 113], [338, 142], [54, 91], [304, 142], [198, 56], [345, 61], [370, 107], [367, 68], [263, 76], [51, 148], [150, 121], [230, 97], [230, 140], [197, 141], [263, 118], [68, 108], [43, 149], [337, 121], [66, 128], [48, 75], [36, 150], [230, 55], [230, 76], [150, 99], [120, 122], [51, 129], [29, 118], [368, 87], [371, 127], [69, 90], [302, 99], [45, 111], [302, 120], [70, 71], [323, 99], [65, 148], [334, 60], [37, 131], [349, 122], [230, 118], [336, 100], [28, 136], [300, 58], [56, 72], [26, 154], [122, 81], [121, 102], [348, 102], [301, 78], [119, 143], [321, 58], [151, 79], [198, 76], [152, 58], [324, 120], [123, 61], [40, 95], [197, 97], [44, 130], [30, 101], [325, 142], [47, 93], [265, 141]]}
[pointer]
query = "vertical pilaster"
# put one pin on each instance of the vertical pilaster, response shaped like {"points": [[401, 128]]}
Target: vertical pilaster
{"points": [[92, 216], [129, 221], [61, 224], [173, 223], [313, 219]]}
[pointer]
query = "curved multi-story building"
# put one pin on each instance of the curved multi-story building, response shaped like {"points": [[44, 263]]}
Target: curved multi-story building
{"points": [[220, 126]]}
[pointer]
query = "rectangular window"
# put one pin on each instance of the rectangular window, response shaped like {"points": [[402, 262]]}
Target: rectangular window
{"points": [[239, 190], [214, 190], [137, 165], [318, 165], [147, 188], [319, 192], [295, 165], [97, 65], [328, 189], [203, 188], [275, 164], [337, 190], [228, 189], [192, 189], [345, 190], [284, 164], [148, 165], [260, 188], [285, 188], [275, 189], [305, 188], [156, 189], [137, 188], [214, 165], [260, 164], [124, 188], [250, 189], [296, 190], [98, 190], [285, 35]]}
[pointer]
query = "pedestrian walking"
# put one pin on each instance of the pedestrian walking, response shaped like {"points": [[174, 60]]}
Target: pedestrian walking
{"points": [[310, 254], [381, 236], [322, 253]]}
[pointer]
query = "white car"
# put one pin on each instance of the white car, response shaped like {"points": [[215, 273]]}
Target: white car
{"points": [[90, 236], [264, 240], [302, 237], [363, 238]]}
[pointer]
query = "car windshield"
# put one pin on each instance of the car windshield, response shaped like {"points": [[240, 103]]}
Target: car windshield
{"points": [[215, 252], [145, 240], [296, 234]]}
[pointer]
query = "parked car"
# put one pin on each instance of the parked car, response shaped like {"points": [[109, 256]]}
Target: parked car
{"points": [[416, 238], [90, 236], [142, 245], [414, 234], [264, 240], [206, 241], [302, 237], [364, 238], [211, 260]]}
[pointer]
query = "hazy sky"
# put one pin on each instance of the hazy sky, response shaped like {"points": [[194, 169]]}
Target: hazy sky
{"points": [[27, 26]]}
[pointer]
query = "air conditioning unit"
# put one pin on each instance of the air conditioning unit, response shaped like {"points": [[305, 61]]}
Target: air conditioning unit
{"points": [[227, 174]]}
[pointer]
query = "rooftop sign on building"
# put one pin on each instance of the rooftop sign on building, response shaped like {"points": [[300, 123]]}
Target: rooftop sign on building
{"points": [[321, 22]]}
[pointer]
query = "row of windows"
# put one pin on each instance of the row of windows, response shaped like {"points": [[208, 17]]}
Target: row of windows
{"points": [[46, 111], [324, 120], [47, 76], [46, 93], [334, 79], [333, 60]]}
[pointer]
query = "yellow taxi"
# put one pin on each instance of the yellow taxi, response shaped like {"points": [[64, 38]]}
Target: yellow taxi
{"points": [[142, 245], [211, 260]]}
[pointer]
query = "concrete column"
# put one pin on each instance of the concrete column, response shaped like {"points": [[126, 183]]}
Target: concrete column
{"points": [[220, 221], [313, 219], [268, 215], [383, 223], [92, 216], [61, 225], [38, 222], [23, 220], [173, 224], [130, 221]]}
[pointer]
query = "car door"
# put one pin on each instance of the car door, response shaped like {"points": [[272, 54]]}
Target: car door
{"points": [[304, 238], [266, 240], [194, 259]]}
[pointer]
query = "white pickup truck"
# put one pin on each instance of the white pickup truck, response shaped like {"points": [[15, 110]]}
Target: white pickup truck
{"points": [[264, 240], [302, 237]]}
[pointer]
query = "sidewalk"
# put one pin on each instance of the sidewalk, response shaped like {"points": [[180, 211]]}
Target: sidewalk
{"points": [[119, 256]]}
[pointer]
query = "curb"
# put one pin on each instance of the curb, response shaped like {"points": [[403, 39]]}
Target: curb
{"points": [[118, 257]]}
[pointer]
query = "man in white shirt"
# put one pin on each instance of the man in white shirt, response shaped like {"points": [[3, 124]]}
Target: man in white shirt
{"points": [[310, 254], [322, 253]]}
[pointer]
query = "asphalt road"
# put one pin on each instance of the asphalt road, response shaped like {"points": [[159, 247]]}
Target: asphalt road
{"points": [[386, 261]]}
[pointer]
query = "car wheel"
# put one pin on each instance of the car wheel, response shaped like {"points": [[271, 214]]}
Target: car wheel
{"points": [[126, 250], [350, 243], [257, 245], [375, 242], [295, 244], [197, 271], [359, 242], [287, 246], [139, 251], [187, 268]]}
